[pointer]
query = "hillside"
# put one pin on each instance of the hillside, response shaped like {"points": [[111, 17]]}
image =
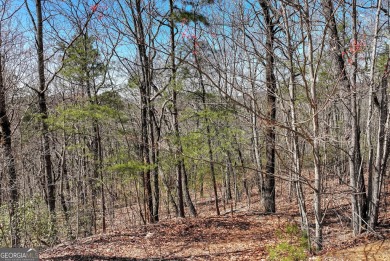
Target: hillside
{"points": [[245, 234], [151, 129]]}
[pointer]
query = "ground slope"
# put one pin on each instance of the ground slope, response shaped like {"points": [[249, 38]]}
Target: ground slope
{"points": [[230, 237], [247, 234]]}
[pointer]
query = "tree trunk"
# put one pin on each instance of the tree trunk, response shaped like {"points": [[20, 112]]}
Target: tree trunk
{"points": [[187, 195], [6, 141], [296, 176], [51, 187], [351, 112], [154, 162], [64, 188], [376, 171], [96, 141], [315, 139], [209, 145], [178, 148], [382, 153], [256, 146], [359, 206], [145, 90], [268, 188], [229, 171]]}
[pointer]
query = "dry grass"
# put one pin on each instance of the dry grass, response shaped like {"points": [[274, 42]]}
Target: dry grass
{"points": [[378, 250]]}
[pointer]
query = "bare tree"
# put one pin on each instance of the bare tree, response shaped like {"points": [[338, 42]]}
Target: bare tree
{"points": [[297, 168], [5, 124], [270, 82], [37, 22], [377, 96], [351, 112]]}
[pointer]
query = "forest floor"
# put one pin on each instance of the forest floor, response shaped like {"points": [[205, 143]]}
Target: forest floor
{"points": [[244, 234]]}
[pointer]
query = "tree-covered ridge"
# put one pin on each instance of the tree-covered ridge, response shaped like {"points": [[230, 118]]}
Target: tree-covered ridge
{"points": [[154, 106]]}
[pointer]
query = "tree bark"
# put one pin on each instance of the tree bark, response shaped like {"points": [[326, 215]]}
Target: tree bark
{"points": [[145, 91], [6, 142], [51, 186], [351, 112], [178, 148], [296, 177], [376, 169], [270, 135]]}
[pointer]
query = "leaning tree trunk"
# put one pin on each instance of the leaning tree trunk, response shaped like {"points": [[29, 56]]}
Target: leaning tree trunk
{"points": [[350, 112]]}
